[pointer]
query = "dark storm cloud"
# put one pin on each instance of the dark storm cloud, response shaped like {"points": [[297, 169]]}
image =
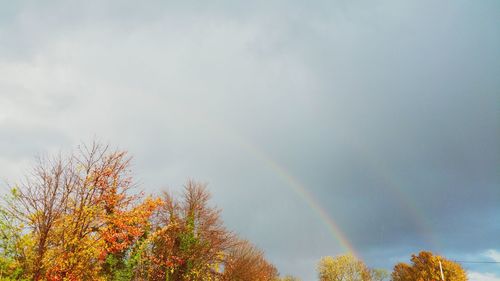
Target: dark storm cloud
{"points": [[387, 112]]}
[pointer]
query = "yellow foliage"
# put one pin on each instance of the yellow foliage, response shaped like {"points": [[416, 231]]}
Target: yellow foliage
{"points": [[425, 267]]}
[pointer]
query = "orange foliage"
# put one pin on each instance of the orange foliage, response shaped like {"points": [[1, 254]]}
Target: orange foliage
{"points": [[123, 227], [425, 267], [83, 222]]}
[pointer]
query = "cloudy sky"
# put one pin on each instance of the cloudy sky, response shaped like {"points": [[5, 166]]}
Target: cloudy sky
{"points": [[381, 115]]}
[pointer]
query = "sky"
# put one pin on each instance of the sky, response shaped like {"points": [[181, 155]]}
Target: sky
{"points": [[320, 127]]}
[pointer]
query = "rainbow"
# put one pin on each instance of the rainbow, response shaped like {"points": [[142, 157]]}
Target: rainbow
{"points": [[304, 193], [392, 185]]}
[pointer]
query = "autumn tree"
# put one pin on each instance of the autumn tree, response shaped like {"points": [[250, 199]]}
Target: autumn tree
{"points": [[245, 262], [37, 203], [78, 211], [78, 217], [343, 268], [425, 267], [122, 217], [379, 274], [188, 241]]}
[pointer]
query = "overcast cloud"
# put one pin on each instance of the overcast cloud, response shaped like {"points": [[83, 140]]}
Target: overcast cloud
{"points": [[386, 111]]}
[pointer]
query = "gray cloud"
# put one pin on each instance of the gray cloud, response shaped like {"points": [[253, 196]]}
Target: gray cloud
{"points": [[386, 112]]}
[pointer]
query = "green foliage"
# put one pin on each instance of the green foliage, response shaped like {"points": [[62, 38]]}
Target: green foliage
{"points": [[11, 243], [114, 268], [188, 239]]}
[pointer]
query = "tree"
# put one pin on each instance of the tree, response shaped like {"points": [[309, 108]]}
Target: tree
{"points": [[343, 268], [76, 215], [37, 203], [379, 274], [77, 218], [245, 262], [425, 267], [188, 241], [13, 245]]}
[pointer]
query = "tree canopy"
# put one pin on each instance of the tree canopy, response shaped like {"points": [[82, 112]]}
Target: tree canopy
{"points": [[81, 217], [347, 268], [425, 267]]}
